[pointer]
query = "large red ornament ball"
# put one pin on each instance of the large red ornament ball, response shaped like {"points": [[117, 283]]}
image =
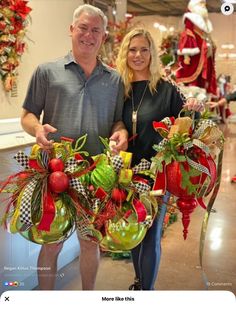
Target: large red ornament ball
{"points": [[174, 179], [58, 182], [55, 164]]}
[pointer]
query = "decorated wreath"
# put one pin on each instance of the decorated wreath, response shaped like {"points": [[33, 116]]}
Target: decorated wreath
{"points": [[64, 189]]}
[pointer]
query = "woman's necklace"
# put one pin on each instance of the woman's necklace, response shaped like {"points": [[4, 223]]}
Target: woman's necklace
{"points": [[135, 112]]}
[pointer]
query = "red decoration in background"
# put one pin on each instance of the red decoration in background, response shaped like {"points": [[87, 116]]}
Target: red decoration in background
{"points": [[20, 7], [13, 22]]}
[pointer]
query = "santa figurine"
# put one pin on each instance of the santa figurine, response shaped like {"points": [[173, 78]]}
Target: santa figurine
{"points": [[196, 50]]}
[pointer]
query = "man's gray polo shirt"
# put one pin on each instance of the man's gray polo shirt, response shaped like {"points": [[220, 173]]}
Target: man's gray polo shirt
{"points": [[74, 104]]}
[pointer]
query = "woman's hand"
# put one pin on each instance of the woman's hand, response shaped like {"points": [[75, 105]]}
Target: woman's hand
{"points": [[193, 104], [119, 141]]}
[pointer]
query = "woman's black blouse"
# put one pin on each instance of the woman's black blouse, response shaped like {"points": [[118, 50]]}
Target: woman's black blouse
{"points": [[165, 102]]}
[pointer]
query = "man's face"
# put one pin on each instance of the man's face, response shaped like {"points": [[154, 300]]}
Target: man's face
{"points": [[87, 35]]}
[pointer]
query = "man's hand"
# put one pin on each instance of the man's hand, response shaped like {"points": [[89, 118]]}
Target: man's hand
{"points": [[41, 132], [193, 104], [31, 124], [121, 139]]}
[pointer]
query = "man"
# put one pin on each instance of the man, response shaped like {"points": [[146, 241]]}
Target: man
{"points": [[196, 49], [77, 94]]}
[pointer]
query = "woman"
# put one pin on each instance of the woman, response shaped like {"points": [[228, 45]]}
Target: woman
{"points": [[148, 97]]}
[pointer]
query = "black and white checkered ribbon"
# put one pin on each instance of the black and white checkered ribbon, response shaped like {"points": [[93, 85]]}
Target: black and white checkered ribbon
{"points": [[188, 145], [82, 224], [71, 165], [96, 205], [197, 143], [162, 144], [201, 145], [202, 126], [78, 186], [167, 122], [25, 204], [147, 223], [117, 163], [22, 159], [142, 166], [198, 166], [140, 187]]}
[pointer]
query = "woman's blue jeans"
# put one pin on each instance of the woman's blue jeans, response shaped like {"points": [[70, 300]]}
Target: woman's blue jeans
{"points": [[146, 256]]}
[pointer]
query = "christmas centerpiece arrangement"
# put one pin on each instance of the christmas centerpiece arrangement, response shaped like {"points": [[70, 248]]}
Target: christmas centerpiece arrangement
{"points": [[14, 16], [40, 207], [64, 189], [186, 161], [116, 206]]}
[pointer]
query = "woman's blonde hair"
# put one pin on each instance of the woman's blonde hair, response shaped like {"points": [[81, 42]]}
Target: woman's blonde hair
{"points": [[122, 65]]}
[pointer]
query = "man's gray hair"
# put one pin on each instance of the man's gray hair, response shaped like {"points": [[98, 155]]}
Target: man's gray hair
{"points": [[91, 10]]}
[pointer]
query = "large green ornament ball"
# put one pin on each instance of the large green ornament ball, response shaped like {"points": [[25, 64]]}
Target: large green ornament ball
{"points": [[123, 236], [61, 228]]}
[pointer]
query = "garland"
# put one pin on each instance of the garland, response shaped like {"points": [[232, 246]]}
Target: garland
{"points": [[14, 16]]}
